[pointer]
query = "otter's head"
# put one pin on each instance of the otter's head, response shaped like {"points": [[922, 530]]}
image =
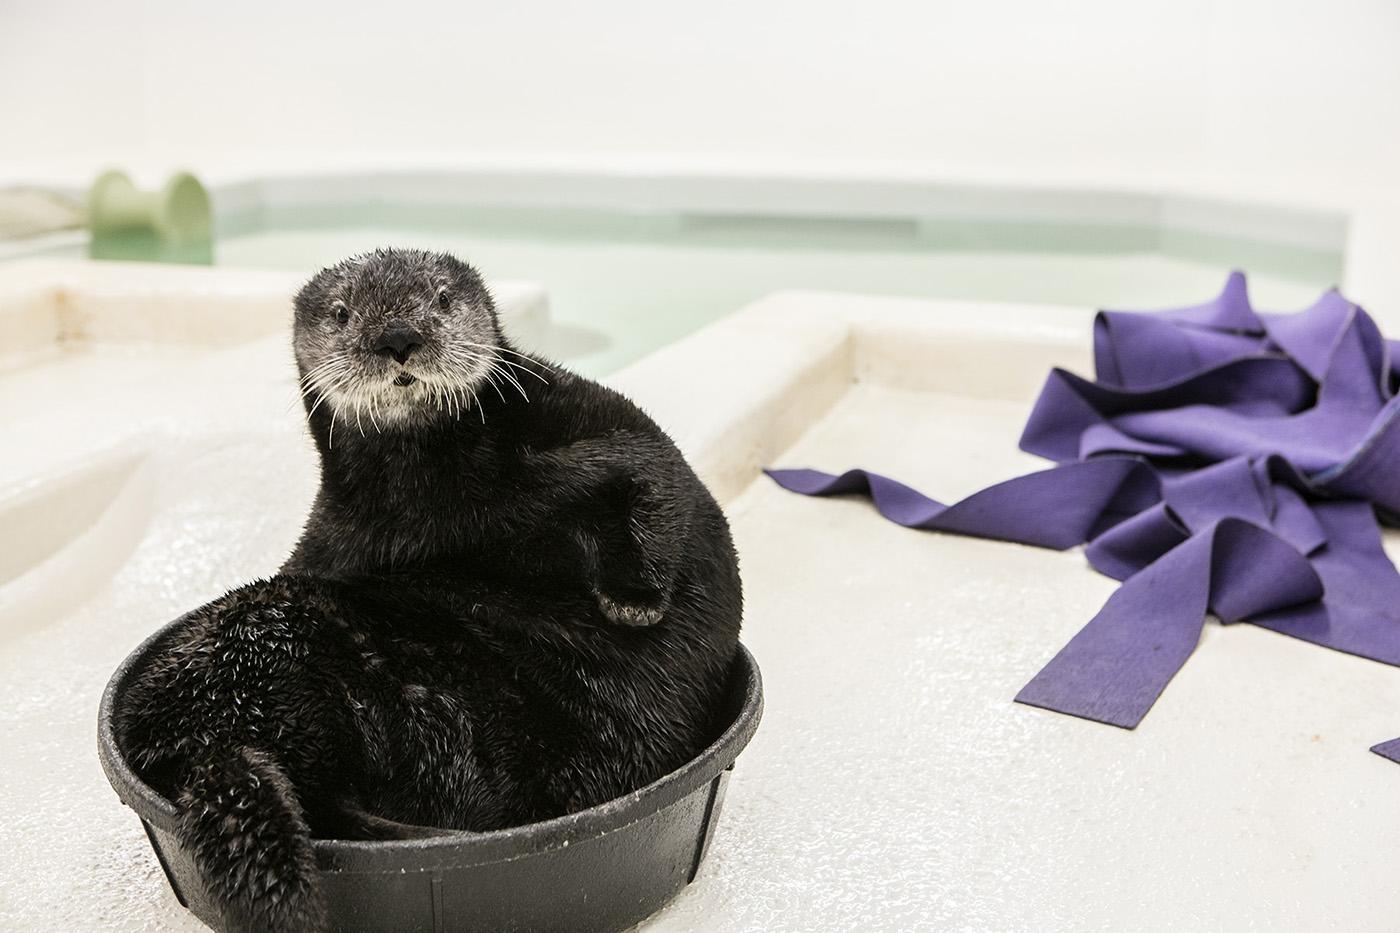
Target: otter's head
{"points": [[396, 336]]}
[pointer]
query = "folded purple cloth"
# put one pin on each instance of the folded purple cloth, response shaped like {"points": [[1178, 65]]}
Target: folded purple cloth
{"points": [[1224, 460]]}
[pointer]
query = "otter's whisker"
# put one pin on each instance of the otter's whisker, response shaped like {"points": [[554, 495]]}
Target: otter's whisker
{"points": [[326, 392], [459, 355], [319, 379], [331, 362], [323, 367], [506, 374], [323, 396], [468, 361], [447, 398], [327, 379], [489, 377], [526, 369], [331, 377], [479, 410], [497, 349]]}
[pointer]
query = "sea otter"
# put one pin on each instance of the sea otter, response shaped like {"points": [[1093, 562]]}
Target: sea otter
{"points": [[512, 599]]}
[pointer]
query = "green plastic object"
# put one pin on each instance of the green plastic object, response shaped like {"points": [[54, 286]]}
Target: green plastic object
{"points": [[173, 224]]}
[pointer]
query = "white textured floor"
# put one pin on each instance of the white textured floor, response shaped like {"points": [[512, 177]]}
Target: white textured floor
{"points": [[225, 501], [893, 784]]}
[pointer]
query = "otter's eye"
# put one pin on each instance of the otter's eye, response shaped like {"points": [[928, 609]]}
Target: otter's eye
{"points": [[444, 299], [342, 313]]}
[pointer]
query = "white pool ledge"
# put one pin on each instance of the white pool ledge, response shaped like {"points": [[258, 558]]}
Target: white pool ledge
{"points": [[51, 304]]}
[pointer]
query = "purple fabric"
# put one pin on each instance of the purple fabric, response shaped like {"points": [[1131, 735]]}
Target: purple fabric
{"points": [[1224, 460], [1389, 750]]}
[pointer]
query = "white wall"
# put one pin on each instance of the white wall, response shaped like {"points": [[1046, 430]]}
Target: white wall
{"points": [[1279, 92]]}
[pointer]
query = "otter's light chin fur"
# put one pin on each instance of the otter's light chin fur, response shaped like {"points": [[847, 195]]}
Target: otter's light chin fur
{"points": [[380, 403], [499, 611]]}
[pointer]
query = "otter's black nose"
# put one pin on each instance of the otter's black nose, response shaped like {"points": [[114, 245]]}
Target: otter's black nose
{"points": [[399, 341]]}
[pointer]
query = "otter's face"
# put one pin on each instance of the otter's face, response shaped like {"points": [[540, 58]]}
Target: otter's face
{"points": [[396, 336]]}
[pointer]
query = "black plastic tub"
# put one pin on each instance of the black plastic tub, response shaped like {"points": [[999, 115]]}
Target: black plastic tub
{"points": [[605, 868]]}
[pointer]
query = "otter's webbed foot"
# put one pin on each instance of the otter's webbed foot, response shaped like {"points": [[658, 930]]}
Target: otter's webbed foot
{"points": [[635, 610], [633, 524], [634, 556]]}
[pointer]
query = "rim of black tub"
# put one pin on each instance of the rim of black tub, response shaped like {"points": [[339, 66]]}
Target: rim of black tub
{"points": [[453, 849]]}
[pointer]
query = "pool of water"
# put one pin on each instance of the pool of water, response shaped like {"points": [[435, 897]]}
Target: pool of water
{"points": [[623, 285], [617, 299]]}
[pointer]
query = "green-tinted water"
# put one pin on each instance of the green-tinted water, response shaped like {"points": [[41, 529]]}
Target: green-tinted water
{"points": [[622, 284], [620, 293]]}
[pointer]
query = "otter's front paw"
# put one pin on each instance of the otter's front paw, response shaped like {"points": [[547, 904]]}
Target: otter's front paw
{"points": [[631, 611]]}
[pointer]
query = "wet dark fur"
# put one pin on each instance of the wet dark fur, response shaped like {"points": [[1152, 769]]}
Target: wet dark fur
{"points": [[483, 625]]}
